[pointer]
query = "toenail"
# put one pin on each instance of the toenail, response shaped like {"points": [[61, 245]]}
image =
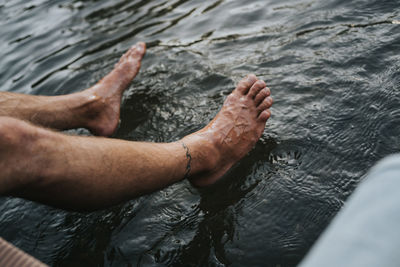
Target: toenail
{"points": [[251, 77]]}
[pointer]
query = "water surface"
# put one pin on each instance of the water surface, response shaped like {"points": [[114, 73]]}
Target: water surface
{"points": [[333, 68]]}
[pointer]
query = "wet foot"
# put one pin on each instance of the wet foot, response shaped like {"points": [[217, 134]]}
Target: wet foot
{"points": [[104, 99], [231, 134]]}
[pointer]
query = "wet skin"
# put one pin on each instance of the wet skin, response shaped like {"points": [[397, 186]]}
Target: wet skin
{"points": [[229, 136], [88, 173], [234, 131], [96, 108], [105, 97]]}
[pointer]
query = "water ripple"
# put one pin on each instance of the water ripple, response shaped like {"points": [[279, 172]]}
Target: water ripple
{"points": [[334, 73]]}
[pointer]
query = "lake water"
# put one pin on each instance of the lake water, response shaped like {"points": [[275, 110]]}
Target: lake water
{"points": [[334, 71]]}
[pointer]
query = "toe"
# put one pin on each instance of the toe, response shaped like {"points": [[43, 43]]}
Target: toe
{"points": [[137, 50], [245, 84], [264, 116], [265, 104], [257, 87], [265, 92], [141, 47]]}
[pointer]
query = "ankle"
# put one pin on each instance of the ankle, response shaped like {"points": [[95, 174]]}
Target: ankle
{"points": [[204, 154], [99, 114]]}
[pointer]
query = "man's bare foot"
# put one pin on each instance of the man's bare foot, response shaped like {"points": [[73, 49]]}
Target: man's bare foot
{"points": [[102, 111], [231, 134]]}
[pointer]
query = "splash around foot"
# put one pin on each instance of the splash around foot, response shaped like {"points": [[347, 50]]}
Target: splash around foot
{"points": [[232, 133]]}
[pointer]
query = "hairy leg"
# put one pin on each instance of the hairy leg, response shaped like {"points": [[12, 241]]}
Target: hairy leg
{"points": [[77, 172], [84, 173], [96, 108]]}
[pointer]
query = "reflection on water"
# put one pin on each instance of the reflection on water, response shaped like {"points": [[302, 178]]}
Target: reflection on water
{"points": [[333, 67]]}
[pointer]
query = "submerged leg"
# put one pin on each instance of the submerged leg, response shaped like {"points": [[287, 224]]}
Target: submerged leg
{"points": [[84, 173], [96, 108]]}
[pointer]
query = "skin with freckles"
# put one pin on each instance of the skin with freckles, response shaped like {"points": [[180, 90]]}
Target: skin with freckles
{"points": [[88, 173], [96, 108]]}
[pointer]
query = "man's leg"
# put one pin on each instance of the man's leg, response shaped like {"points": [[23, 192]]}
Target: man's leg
{"points": [[96, 108], [366, 232], [89, 172]]}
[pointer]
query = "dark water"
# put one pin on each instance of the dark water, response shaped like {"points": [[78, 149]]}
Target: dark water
{"points": [[333, 67]]}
